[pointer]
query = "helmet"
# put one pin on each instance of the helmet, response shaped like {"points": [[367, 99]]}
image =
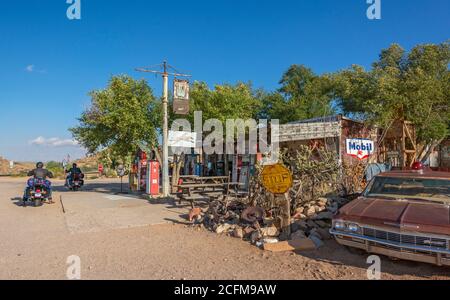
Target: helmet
{"points": [[39, 165]]}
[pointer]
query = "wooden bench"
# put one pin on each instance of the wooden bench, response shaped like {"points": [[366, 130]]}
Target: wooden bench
{"points": [[187, 191]]}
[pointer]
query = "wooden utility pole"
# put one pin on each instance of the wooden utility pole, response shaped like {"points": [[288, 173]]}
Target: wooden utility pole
{"points": [[165, 75]]}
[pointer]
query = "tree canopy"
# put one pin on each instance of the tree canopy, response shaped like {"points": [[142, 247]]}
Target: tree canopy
{"points": [[224, 102], [121, 116], [302, 95], [412, 86]]}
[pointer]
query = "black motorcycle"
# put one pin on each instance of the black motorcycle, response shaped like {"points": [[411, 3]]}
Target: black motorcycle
{"points": [[38, 192], [77, 182]]}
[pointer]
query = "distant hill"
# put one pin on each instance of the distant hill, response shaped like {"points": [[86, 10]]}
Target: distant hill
{"points": [[19, 169], [88, 164]]}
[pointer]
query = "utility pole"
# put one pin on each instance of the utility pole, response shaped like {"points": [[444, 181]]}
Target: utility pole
{"points": [[165, 138]]}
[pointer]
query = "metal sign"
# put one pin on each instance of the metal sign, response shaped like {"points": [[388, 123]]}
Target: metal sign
{"points": [[360, 148], [182, 139], [277, 179], [181, 97], [121, 170]]}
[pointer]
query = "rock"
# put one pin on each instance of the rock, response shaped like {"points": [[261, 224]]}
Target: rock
{"points": [[321, 224], [311, 224], [238, 233], [248, 231], [222, 228], [316, 240], [270, 241], [310, 212], [255, 236], [303, 225], [333, 208], [322, 201], [319, 209], [324, 234], [270, 231], [325, 215], [299, 234]]}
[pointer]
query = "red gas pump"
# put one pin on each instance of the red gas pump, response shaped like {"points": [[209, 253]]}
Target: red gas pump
{"points": [[153, 178]]}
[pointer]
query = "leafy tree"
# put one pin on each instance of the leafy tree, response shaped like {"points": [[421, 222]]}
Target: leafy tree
{"points": [[224, 101], [401, 86], [303, 95], [120, 117]]}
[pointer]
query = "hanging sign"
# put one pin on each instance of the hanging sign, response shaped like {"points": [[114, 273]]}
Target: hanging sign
{"points": [[360, 148], [181, 97]]}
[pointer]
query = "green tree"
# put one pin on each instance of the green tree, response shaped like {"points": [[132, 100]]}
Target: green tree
{"points": [[224, 101], [303, 95], [412, 86], [120, 117]]}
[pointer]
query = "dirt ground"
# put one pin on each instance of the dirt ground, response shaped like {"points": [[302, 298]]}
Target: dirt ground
{"points": [[36, 242]]}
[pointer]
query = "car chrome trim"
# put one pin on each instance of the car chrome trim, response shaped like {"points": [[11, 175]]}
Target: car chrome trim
{"points": [[389, 243]]}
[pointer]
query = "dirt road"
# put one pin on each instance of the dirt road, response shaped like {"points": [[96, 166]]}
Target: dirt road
{"points": [[119, 237]]}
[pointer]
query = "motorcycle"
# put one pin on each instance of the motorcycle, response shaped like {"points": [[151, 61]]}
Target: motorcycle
{"points": [[77, 182], [38, 191]]}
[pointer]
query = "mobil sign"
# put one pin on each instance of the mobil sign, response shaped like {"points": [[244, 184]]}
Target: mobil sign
{"points": [[360, 148]]}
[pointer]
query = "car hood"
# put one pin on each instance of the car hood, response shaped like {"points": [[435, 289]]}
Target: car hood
{"points": [[406, 215]]}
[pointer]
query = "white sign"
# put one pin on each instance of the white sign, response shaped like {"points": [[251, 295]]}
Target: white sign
{"points": [[181, 89], [360, 148], [182, 139], [11, 164]]}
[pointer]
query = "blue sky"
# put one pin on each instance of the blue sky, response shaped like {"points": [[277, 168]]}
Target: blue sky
{"points": [[50, 63]]}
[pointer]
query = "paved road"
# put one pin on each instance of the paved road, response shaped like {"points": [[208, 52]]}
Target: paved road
{"points": [[121, 237]]}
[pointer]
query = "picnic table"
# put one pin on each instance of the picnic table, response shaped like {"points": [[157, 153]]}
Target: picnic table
{"points": [[187, 191]]}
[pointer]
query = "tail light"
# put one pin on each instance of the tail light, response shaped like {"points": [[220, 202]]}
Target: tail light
{"points": [[38, 191]]}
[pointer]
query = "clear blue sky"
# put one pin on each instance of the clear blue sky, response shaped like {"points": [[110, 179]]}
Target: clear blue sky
{"points": [[49, 63]]}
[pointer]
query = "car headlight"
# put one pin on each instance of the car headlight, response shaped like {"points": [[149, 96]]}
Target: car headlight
{"points": [[353, 227], [340, 225]]}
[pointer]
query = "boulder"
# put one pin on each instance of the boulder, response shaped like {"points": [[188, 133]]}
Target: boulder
{"points": [[299, 234], [270, 231], [238, 233], [223, 228]]}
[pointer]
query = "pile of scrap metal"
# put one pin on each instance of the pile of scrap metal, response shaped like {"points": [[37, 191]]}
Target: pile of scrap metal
{"points": [[308, 228]]}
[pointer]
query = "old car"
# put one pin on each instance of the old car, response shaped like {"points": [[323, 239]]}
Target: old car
{"points": [[401, 214]]}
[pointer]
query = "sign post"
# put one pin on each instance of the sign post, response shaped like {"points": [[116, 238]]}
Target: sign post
{"points": [[277, 179], [121, 172]]}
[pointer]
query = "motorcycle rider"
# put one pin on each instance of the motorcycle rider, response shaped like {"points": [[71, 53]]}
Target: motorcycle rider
{"points": [[74, 170], [39, 173]]}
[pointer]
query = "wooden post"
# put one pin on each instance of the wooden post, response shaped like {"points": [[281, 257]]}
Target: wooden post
{"points": [[285, 206]]}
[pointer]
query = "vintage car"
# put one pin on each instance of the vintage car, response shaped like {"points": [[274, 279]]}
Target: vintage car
{"points": [[401, 214]]}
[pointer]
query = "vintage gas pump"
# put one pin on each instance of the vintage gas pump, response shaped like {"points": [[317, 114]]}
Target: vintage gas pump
{"points": [[153, 178]]}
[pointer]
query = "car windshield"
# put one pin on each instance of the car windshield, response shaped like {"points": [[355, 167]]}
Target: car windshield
{"points": [[410, 188]]}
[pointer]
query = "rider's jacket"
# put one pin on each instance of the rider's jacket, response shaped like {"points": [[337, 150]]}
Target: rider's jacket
{"points": [[40, 173]]}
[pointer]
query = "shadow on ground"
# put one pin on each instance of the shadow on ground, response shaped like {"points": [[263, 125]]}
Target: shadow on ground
{"points": [[338, 255]]}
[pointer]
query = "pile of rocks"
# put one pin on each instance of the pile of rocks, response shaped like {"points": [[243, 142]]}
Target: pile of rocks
{"points": [[310, 221]]}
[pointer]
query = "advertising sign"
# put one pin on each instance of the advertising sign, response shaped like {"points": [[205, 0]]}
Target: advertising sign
{"points": [[360, 148], [181, 97]]}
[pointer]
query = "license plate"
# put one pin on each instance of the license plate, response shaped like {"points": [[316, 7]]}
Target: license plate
{"points": [[38, 195]]}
